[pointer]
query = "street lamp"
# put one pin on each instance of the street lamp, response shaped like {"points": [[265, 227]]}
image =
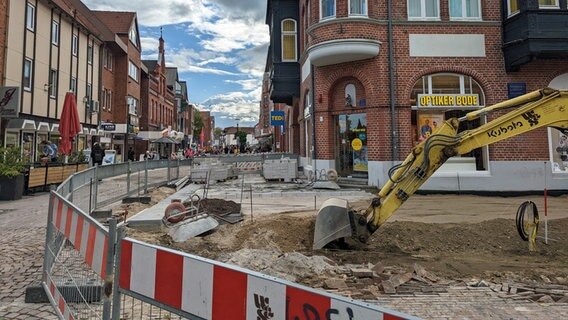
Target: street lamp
{"points": [[237, 136]]}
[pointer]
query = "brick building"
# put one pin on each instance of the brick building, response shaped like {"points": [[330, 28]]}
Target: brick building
{"points": [[121, 78], [3, 28], [372, 61], [206, 136]]}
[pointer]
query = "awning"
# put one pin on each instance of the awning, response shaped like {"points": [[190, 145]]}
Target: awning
{"points": [[42, 127], [93, 132], [21, 124], [166, 140], [55, 128]]}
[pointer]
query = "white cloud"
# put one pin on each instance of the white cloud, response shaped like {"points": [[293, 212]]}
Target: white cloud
{"points": [[230, 33]]}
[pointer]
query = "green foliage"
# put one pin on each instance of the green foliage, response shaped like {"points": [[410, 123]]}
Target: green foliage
{"points": [[242, 136], [197, 124], [76, 157], [12, 163]]}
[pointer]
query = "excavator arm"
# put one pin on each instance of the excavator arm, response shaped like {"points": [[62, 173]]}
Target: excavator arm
{"points": [[542, 108]]}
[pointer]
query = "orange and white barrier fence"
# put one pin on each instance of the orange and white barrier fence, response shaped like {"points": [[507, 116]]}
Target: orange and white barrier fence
{"points": [[212, 290]]}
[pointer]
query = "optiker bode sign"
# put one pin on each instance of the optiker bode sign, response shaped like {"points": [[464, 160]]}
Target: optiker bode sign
{"points": [[447, 100], [277, 118]]}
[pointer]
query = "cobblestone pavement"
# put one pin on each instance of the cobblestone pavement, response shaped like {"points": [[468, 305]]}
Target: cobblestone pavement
{"points": [[472, 303], [22, 238]]}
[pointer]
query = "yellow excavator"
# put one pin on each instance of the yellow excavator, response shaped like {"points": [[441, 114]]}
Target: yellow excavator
{"points": [[337, 222]]}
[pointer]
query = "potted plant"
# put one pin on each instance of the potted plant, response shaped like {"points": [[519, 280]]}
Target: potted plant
{"points": [[12, 167]]}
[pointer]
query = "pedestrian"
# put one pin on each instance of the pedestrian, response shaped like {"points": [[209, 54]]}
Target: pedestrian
{"points": [[130, 154], [97, 154]]}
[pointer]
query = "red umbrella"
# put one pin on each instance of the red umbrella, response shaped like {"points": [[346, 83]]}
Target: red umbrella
{"points": [[69, 124]]}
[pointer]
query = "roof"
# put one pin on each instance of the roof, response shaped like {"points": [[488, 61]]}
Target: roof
{"points": [[82, 14], [116, 21], [183, 85], [150, 64], [171, 76]]}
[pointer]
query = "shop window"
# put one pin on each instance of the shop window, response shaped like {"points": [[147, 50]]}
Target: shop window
{"points": [[28, 146], [439, 97], [308, 125], [350, 95], [358, 7], [548, 4], [465, 9], [289, 40], [559, 143], [327, 9], [512, 7], [423, 10], [11, 139]]}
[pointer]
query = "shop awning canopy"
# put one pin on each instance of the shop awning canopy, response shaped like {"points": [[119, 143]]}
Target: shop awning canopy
{"points": [[166, 140], [21, 124]]}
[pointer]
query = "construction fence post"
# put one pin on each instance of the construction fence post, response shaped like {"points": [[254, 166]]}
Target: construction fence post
{"points": [[109, 280], [96, 188], [116, 307], [169, 170], [128, 178], [146, 176], [177, 171], [47, 258]]}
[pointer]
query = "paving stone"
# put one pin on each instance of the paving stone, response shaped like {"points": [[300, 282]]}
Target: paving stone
{"points": [[361, 273], [545, 299], [335, 284]]}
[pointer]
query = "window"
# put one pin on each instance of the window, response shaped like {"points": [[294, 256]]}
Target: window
{"points": [[53, 83], [512, 7], [109, 100], [55, 33], [424, 9], [103, 98], [109, 60], [308, 126], [132, 70], [350, 95], [73, 86], [28, 66], [90, 54], [327, 9], [465, 10], [358, 7], [427, 118], [133, 35], [548, 4], [74, 45], [289, 40], [30, 17]]}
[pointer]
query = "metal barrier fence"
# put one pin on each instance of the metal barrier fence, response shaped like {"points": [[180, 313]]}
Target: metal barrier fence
{"points": [[93, 271]]}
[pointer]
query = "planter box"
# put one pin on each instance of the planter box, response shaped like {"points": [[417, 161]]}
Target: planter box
{"points": [[11, 188]]}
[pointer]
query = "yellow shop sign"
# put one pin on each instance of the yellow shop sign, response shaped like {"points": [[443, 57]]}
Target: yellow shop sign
{"points": [[447, 100]]}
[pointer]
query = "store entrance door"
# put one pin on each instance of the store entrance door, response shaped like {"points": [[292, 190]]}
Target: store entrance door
{"points": [[351, 145]]}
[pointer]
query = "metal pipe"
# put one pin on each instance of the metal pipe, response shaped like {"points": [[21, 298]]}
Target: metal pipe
{"points": [[313, 107], [394, 137]]}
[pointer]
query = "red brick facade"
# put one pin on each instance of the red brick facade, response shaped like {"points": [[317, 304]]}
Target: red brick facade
{"points": [[371, 76]]}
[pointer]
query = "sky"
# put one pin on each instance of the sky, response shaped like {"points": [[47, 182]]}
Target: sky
{"points": [[218, 46]]}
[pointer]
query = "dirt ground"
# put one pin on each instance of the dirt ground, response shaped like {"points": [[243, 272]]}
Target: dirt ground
{"points": [[481, 241]]}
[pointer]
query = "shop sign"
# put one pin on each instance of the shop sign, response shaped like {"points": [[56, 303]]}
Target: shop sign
{"points": [[9, 102], [447, 100], [108, 126], [277, 118], [356, 144]]}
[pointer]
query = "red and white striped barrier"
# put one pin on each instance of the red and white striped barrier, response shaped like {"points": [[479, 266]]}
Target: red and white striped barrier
{"points": [[82, 232], [216, 291], [58, 300]]}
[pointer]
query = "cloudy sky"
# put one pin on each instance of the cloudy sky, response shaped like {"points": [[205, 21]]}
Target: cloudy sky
{"points": [[219, 47]]}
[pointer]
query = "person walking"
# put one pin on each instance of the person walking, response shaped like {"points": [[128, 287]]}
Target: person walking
{"points": [[98, 154], [130, 154]]}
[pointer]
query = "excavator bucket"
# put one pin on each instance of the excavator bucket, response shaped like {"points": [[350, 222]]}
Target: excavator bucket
{"points": [[332, 222]]}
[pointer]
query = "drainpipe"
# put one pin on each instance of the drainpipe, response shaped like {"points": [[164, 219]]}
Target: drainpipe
{"points": [[313, 111], [394, 139]]}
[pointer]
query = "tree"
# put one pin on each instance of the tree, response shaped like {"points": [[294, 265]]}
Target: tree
{"points": [[242, 136], [217, 132], [197, 124]]}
